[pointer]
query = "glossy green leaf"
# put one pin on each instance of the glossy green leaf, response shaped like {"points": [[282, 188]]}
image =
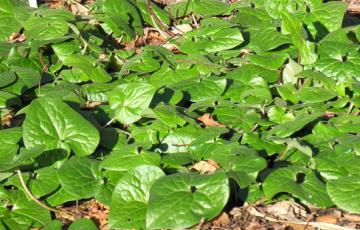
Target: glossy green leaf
{"points": [[212, 38], [291, 25], [80, 177], [209, 7], [9, 20], [83, 224], [131, 196], [88, 67], [7, 78], [129, 101], [305, 186], [52, 123], [182, 200], [288, 128], [128, 158], [344, 192]]}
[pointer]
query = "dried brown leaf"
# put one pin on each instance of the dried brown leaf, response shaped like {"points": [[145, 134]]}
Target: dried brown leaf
{"points": [[208, 120]]}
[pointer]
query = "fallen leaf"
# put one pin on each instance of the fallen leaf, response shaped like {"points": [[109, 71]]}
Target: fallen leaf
{"points": [[204, 167], [287, 210], [208, 120], [221, 220]]}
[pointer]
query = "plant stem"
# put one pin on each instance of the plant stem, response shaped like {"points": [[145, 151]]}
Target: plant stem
{"points": [[28, 192], [155, 20]]}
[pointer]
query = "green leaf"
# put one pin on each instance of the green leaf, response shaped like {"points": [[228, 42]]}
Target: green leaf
{"points": [[338, 60], [344, 191], [7, 78], [288, 128], [160, 13], [325, 18], [45, 28], [265, 39], [201, 90], [334, 165], [128, 158], [130, 198], [304, 185], [52, 123], [24, 210], [315, 94], [46, 181], [169, 115], [88, 67], [79, 176], [124, 15], [130, 100], [26, 79], [53, 225], [291, 25], [9, 139], [211, 38], [9, 18], [8, 99], [83, 224], [253, 17], [242, 162], [182, 200], [268, 60], [209, 7]]}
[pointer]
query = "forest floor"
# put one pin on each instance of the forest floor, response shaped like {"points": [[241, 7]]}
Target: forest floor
{"points": [[286, 215]]}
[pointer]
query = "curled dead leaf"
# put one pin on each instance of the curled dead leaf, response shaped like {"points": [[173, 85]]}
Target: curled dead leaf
{"points": [[205, 167], [208, 120], [222, 220]]}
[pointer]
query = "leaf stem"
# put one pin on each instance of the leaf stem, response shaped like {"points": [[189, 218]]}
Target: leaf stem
{"points": [[29, 193], [155, 20]]}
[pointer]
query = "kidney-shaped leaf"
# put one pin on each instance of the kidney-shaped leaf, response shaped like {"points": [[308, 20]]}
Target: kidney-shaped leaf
{"points": [[52, 123], [130, 197], [345, 192], [80, 176], [130, 100], [182, 200]]}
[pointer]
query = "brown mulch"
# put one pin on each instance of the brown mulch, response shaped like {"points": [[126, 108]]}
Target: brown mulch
{"points": [[90, 209], [354, 6], [283, 215]]}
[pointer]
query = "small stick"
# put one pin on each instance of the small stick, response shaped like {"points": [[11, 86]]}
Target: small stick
{"points": [[195, 22]]}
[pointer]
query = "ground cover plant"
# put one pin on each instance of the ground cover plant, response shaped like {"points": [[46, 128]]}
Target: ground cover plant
{"points": [[244, 102]]}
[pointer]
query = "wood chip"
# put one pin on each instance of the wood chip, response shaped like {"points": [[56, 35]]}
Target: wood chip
{"points": [[352, 217], [331, 219]]}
